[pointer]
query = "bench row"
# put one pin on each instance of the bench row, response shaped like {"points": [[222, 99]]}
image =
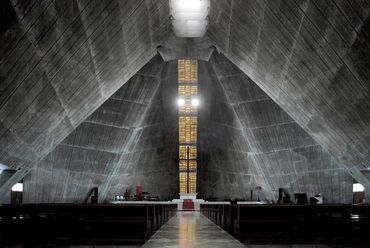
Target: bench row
{"points": [[81, 224], [292, 223]]}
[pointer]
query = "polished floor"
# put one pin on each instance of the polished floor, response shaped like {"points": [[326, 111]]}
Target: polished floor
{"points": [[191, 229]]}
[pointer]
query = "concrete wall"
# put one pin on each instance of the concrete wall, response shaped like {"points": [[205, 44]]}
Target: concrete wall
{"points": [[125, 143], [59, 61], [247, 140], [312, 59]]}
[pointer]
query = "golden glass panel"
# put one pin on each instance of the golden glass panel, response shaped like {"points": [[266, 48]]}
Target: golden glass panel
{"points": [[188, 90], [192, 164], [182, 132], [188, 109], [185, 178], [183, 152], [188, 77], [193, 152], [183, 165], [187, 71], [181, 69], [187, 129], [183, 181], [192, 182], [193, 130], [192, 127]]}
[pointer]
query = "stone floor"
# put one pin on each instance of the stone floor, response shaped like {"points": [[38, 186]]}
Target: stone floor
{"points": [[191, 229]]}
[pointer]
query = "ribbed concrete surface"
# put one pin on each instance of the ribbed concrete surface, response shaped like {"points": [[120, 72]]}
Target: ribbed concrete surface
{"points": [[126, 142], [307, 119], [59, 61], [248, 141], [312, 59]]}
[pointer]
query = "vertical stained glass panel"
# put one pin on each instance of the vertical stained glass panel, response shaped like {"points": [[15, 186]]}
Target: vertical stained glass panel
{"points": [[188, 124]]}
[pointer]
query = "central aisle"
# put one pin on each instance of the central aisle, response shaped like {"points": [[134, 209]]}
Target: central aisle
{"points": [[191, 229]]}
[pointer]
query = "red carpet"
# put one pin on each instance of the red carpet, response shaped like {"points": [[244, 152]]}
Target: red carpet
{"points": [[187, 205]]}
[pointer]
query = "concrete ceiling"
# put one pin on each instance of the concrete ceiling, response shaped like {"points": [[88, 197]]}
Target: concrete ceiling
{"points": [[64, 114]]}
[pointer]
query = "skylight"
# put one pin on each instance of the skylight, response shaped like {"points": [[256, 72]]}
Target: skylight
{"points": [[189, 17]]}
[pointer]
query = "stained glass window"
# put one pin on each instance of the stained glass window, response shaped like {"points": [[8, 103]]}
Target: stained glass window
{"points": [[188, 125]]}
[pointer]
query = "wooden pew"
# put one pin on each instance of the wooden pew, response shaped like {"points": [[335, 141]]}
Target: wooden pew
{"points": [[343, 224], [82, 224], [292, 224], [218, 212]]}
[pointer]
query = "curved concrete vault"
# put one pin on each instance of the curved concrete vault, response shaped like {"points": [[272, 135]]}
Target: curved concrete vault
{"points": [[85, 101]]}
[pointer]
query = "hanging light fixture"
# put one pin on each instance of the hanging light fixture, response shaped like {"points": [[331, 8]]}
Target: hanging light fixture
{"points": [[181, 102], [189, 17], [194, 102]]}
